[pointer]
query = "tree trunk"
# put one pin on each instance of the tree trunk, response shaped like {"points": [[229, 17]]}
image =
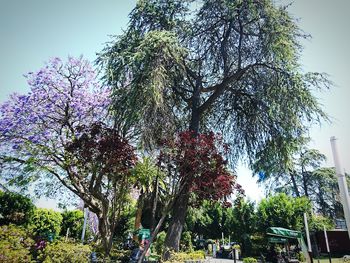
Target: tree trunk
{"points": [[295, 187], [106, 234], [179, 211], [305, 183], [154, 203], [138, 214]]}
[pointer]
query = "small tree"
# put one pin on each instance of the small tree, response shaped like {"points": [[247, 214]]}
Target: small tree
{"points": [[15, 208], [59, 134], [74, 221], [195, 164]]}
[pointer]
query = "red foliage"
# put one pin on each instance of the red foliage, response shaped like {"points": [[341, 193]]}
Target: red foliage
{"points": [[102, 148], [198, 162]]}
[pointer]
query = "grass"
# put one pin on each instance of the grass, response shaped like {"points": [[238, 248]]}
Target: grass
{"points": [[326, 260]]}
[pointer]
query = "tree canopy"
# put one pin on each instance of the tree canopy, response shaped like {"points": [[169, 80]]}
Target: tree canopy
{"points": [[228, 66]]}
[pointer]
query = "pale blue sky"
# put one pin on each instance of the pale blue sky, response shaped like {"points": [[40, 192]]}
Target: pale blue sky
{"points": [[31, 31]]}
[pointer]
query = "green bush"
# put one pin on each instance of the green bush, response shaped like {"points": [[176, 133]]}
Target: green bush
{"points": [[182, 256], [15, 208], [186, 242], [15, 245], [158, 245], [249, 260], [301, 257], [45, 222], [74, 220], [61, 252], [120, 255]]}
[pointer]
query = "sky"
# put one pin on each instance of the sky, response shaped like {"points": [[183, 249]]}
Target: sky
{"points": [[32, 31]]}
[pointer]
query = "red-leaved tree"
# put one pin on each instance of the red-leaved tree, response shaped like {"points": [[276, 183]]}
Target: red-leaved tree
{"points": [[100, 163], [195, 164]]}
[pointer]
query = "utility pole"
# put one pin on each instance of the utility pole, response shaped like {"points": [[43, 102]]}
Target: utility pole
{"points": [[309, 248], [84, 226], [343, 188]]}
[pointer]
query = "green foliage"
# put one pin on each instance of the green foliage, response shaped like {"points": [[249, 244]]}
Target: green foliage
{"points": [[249, 260], [317, 223], [282, 211], [301, 257], [46, 221], [186, 242], [73, 220], [15, 244], [15, 208], [122, 255], [182, 256], [158, 245], [242, 222], [207, 219], [61, 252], [258, 244]]}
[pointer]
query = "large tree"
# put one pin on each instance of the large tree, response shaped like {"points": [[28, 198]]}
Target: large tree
{"points": [[228, 65], [58, 134]]}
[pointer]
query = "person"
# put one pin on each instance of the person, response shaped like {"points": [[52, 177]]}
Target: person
{"points": [[272, 255], [214, 249]]}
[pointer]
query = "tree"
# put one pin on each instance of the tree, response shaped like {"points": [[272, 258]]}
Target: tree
{"points": [[148, 177], [15, 208], [72, 220], [282, 211], [294, 174], [325, 192], [224, 65], [59, 133], [195, 164], [243, 224]]}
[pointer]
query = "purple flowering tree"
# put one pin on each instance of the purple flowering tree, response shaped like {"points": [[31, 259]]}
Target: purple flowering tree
{"points": [[59, 132]]}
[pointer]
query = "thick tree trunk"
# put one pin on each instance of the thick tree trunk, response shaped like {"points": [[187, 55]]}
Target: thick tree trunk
{"points": [[179, 211]]}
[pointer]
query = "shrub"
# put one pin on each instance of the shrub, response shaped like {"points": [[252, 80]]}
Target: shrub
{"points": [[15, 208], [15, 244], [158, 245], [301, 257], [182, 256], [61, 252], [186, 241], [74, 220], [120, 255], [46, 222], [249, 260]]}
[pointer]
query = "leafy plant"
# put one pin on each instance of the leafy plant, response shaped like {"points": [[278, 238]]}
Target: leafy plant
{"points": [[61, 252], [74, 221], [249, 260], [15, 208], [15, 244], [158, 245], [183, 256], [186, 242], [46, 222]]}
